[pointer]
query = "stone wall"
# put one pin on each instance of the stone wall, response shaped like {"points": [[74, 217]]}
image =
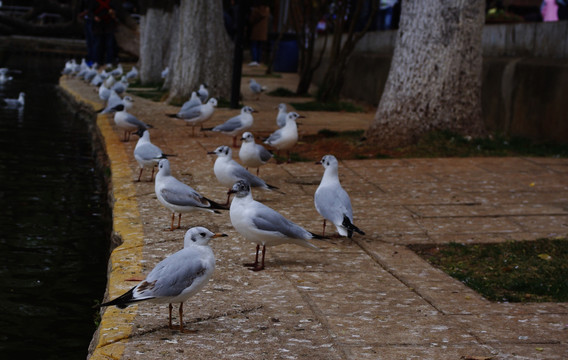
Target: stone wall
{"points": [[525, 77]]}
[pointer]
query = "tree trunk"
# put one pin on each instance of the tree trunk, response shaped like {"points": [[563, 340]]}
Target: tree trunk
{"points": [[435, 78], [158, 26], [204, 51]]}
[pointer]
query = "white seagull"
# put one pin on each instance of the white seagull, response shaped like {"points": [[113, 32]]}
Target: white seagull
{"points": [[14, 103], [252, 154], [228, 171], [262, 225], [132, 74], [114, 100], [256, 88], [117, 71], [178, 277], [127, 121], [332, 201], [286, 137], [146, 153], [203, 93], [165, 72], [179, 197], [281, 117], [197, 115], [236, 124]]}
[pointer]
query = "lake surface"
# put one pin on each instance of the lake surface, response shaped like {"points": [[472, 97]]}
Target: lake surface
{"points": [[55, 222]]}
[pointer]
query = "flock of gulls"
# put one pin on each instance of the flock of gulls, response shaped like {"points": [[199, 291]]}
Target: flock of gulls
{"points": [[182, 274]]}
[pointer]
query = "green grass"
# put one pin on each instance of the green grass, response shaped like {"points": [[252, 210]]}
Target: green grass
{"points": [[520, 271], [319, 106]]}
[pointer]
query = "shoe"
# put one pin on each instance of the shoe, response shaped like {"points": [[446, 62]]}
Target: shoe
{"points": [[253, 63]]}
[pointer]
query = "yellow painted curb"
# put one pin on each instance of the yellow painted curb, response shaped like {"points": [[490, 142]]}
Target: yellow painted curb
{"points": [[116, 325]]}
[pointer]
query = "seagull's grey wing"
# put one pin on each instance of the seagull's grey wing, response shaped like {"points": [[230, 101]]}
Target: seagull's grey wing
{"points": [[333, 203], [131, 119], [256, 87], [274, 136], [183, 195], [267, 219], [192, 102], [173, 275], [264, 154], [242, 173], [148, 151], [232, 124], [190, 113]]}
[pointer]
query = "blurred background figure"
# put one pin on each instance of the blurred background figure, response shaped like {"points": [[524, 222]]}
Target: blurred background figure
{"points": [[258, 23]]}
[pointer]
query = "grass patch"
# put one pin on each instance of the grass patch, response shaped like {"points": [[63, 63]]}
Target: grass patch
{"points": [[520, 271], [352, 145], [319, 106]]}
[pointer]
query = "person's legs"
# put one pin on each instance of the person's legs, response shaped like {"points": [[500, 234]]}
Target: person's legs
{"points": [[110, 56]]}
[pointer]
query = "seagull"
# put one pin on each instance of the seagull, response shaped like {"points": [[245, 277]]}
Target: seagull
{"points": [[256, 88], [178, 277], [285, 138], [117, 71], [146, 153], [179, 197], [13, 103], [228, 171], [332, 201], [281, 117], [197, 115], [114, 100], [132, 74], [69, 66], [109, 81], [4, 77], [236, 124], [91, 73], [252, 154], [97, 79], [262, 225], [192, 102], [127, 121], [104, 92], [120, 86], [165, 72], [203, 93]]}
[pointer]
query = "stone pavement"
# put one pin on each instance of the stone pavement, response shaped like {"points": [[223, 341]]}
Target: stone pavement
{"points": [[369, 298]]}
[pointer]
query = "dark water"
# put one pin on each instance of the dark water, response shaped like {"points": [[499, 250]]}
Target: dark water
{"points": [[54, 220]]}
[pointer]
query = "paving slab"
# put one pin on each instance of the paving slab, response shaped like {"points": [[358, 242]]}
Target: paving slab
{"points": [[366, 298]]}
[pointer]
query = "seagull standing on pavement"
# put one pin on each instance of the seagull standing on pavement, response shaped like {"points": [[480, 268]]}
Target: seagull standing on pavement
{"points": [[203, 93], [14, 103], [178, 277], [262, 225], [127, 121], [236, 124], [197, 115], [332, 201], [146, 153], [228, 171], [281, 117], [132, 74], [252, 154], [256, 88], [285, 138], [179, 197], [117, 71]]}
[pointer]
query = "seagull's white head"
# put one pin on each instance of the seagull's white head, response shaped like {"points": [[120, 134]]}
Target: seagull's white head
{"points": [[247, 137], [199, 236]]}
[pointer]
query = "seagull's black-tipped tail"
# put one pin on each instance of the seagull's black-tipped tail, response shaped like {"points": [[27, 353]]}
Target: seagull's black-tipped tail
{"points": [[206, 129], [122, 301], [274, 188], [216, 206], [172, 115], [318, 237], [350, 227]]}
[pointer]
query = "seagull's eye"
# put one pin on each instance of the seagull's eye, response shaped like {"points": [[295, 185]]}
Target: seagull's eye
{"points": [[202, 234]]}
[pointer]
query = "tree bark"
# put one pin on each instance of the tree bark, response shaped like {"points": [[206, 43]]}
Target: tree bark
{"points": [[158, 36], [435, 78], [204, 51]]}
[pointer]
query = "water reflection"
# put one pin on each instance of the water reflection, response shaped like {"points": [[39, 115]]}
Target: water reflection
{"points": [[54, 221]]}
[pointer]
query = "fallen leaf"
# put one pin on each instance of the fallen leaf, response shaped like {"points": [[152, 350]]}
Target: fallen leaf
{"points": [[545, 257]]}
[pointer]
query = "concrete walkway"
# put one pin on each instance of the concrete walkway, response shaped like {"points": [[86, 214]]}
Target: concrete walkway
{"points": [[370, 298]]}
